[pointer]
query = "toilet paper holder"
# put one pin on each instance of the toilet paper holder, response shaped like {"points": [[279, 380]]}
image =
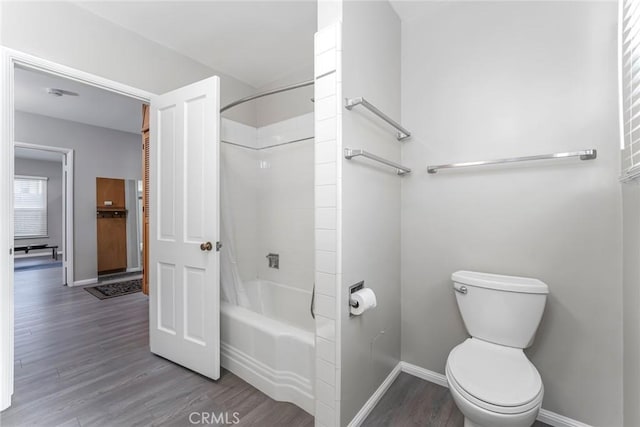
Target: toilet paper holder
{"points": [[352, 289]]}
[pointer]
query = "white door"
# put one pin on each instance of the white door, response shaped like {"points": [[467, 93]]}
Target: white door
{"points": [[184, 265]]}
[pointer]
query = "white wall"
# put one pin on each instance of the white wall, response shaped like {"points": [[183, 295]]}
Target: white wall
{"points": [[98, 152], [270, 193], [285, 202], [631, 298], [483, 80], [370, 201], [53, 171], [67, 34], [285, 105]]}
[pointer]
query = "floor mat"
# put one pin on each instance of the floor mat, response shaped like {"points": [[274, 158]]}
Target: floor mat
{"points": [[113, 290]]}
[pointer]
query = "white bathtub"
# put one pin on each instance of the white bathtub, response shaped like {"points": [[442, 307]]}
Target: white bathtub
{"points": [[271, 345]]}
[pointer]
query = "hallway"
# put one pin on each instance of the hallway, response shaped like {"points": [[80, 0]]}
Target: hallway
{"points": [[81, 361]]}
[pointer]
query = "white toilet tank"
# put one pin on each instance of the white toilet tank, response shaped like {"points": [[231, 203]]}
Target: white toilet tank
{"points": [[504, 310]]}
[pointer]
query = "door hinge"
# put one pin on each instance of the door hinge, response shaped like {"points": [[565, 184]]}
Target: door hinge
{"points": [[218, 246]]}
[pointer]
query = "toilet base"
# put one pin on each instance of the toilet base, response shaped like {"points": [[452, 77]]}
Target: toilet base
{"points": [[469, 423]]}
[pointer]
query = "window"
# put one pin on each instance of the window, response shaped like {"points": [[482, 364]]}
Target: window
{"points": [[629, 57], [30, 207]]}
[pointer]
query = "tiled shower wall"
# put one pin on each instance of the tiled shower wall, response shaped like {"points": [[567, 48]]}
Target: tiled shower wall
{"points": [[271, 196], [328, 151]]}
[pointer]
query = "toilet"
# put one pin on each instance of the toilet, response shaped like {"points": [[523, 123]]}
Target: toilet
{"points": [[490, 378]]}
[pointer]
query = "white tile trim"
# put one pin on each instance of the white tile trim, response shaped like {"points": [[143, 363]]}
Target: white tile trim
{"points": [[366, 409], [545, 416]]}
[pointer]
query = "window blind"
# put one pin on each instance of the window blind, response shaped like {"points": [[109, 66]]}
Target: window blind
{"points": [[30, 206], [630, 87]]}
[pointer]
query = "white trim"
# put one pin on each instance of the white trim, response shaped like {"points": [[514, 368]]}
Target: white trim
{"points": [[9, 59], [425, 374], [279, 385], [371, 403], [85, 282], [68, 200], [620, 78], [39, 64], [39, 178], [558, 420], [134, 269], [6, 231], [545, 416]]}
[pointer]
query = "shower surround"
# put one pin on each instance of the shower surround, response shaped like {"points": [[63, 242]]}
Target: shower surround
{"points": [[268, 207]]}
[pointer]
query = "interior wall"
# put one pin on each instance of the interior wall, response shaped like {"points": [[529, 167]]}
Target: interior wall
{"points": [[370, 201], [285, 105], [483, 80], [285, 202], [270, 193], [53, 171], [98, 152], [631, 298], [64, 33]]}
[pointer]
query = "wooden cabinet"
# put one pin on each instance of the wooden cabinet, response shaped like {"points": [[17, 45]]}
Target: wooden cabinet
{"points": [[112, 241], [111, 225], [110, 193]]}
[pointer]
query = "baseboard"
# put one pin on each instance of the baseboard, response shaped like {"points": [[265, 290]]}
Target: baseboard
{"points": [[558, 420], [366, 409], [85, 282], [425, 374], [134, 270], [545, 416]]}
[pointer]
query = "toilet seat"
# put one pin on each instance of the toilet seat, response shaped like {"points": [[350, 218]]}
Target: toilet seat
{"points": [[497, 378]]}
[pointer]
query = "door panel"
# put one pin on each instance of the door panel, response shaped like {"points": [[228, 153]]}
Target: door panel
{"points": [[184, 279]]}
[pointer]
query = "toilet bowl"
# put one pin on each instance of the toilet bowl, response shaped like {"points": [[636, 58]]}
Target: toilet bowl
{"points": [[490, 378], [494, 385]]}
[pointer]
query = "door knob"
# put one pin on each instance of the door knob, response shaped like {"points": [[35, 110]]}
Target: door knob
{"points": [[206, 246]]}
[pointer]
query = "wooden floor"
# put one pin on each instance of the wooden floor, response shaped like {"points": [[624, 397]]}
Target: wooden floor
{"points": [[81, 361], [411, 401]]}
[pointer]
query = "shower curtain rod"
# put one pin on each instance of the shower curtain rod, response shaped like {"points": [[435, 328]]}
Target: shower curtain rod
{"points": [[267, 93], [267, 146]]}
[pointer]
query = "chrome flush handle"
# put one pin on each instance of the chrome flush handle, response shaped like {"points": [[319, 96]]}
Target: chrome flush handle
{"points": [[461, 289]]}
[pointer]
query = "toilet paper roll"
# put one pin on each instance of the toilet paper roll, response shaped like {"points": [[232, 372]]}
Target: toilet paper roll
{"points": [[365, 299]]}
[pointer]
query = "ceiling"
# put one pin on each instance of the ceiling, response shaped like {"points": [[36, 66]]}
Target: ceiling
{"points": [[256, 42], [92, 106]]}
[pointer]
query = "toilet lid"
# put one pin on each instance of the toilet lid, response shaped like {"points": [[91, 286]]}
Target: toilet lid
{"points": [[499, 375]]}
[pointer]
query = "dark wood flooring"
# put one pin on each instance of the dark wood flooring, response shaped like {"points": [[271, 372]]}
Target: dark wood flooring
{"points": [[81, 361], [411, 401]]}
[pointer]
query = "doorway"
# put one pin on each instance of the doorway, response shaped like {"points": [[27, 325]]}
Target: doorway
{"points": [[184, 294], [45, 231], [13, 61]]}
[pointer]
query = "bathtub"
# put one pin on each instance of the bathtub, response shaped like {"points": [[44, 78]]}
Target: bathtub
{"points": [[271, 345]]}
